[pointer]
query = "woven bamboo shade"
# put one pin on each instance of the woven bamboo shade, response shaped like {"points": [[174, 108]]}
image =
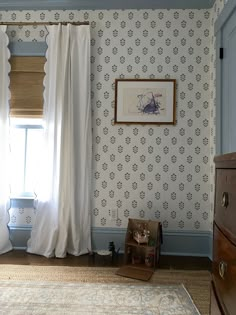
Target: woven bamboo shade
{"points": [[26, 86]]}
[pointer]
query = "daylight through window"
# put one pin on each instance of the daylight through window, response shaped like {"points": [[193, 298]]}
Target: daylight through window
{"points": [[25, 155]]}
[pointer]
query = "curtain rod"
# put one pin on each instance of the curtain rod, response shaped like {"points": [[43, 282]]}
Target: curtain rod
{"points": [[42, 23]]}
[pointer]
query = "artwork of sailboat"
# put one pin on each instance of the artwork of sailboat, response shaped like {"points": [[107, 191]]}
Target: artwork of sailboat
{"points": [[149, 104]]}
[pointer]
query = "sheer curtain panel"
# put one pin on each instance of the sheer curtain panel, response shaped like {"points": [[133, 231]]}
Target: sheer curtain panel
{"points": [[62, 222], [5, 244]]}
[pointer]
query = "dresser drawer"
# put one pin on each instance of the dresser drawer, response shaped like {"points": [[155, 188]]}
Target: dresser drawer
{"points": [[225, 202], [224, 271]]}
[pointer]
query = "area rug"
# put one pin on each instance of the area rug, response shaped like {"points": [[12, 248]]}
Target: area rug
{"points": [[24, 297], [197, 283]]}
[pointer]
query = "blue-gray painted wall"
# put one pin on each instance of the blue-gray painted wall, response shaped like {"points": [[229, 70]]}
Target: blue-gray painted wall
{"points": [[28, 48], [223, 143]]}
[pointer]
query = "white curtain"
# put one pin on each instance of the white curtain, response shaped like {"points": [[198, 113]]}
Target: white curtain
{"points": [[62, 222], [5, 244]]}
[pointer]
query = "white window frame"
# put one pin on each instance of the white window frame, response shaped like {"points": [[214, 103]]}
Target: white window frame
{"points": [[26, 124]]}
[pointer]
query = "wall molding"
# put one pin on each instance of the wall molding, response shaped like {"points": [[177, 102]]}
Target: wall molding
{"points": [[188, 243], [177, 243], [103, 4], [224, 15]]}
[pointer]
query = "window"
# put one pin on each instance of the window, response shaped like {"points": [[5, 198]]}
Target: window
{"points": [[26, 109], [25, 155]]}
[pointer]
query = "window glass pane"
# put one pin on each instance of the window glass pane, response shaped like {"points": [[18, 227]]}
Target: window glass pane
{"points": [[33, 158], [25, 157], [17, 157]]}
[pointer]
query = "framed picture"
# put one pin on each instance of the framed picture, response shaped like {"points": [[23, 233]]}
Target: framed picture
{"points": [[145, 101]]}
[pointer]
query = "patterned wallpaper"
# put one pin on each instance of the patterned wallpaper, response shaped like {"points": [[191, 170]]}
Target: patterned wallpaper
{"points": [[145, 171]]}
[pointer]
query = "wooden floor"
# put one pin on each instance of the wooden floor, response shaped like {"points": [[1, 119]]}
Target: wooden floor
{"points": [[19, 257]]}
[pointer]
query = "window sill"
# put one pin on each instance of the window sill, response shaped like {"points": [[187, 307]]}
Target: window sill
{"points": [[19, 201], [22, 197]]}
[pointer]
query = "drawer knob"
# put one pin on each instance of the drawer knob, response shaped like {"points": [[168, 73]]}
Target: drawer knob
{"points": [[225, 200], [222, 269]]}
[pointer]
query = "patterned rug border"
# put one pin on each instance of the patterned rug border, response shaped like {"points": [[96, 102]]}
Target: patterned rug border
{"points": [[37, 297], [190, 298], [197, 282]]}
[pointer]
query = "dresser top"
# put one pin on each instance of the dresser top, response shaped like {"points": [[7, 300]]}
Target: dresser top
{"points": [[225, 160]]}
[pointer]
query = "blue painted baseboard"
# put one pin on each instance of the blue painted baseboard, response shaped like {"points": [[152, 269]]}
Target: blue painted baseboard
{"points": [[177, 243]]}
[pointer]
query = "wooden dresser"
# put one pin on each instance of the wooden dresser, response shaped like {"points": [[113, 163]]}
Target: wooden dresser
{"points": [[223, 293]]}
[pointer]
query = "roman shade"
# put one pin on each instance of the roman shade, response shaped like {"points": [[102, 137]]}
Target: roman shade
{"points": [[26, 86]]}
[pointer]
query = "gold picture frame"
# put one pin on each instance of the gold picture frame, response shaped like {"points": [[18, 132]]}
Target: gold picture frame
{"points": [[145, 101]]}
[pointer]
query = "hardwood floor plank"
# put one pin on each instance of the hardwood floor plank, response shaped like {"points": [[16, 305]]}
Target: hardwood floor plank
{"points": [[20, 257]]}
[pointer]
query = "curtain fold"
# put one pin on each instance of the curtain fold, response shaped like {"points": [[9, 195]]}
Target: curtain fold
{"points": [[5, 244], [62, 222]]}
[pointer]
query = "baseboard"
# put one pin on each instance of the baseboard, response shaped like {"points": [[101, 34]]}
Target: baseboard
{"points": [[177, 243], [187, 243]]}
